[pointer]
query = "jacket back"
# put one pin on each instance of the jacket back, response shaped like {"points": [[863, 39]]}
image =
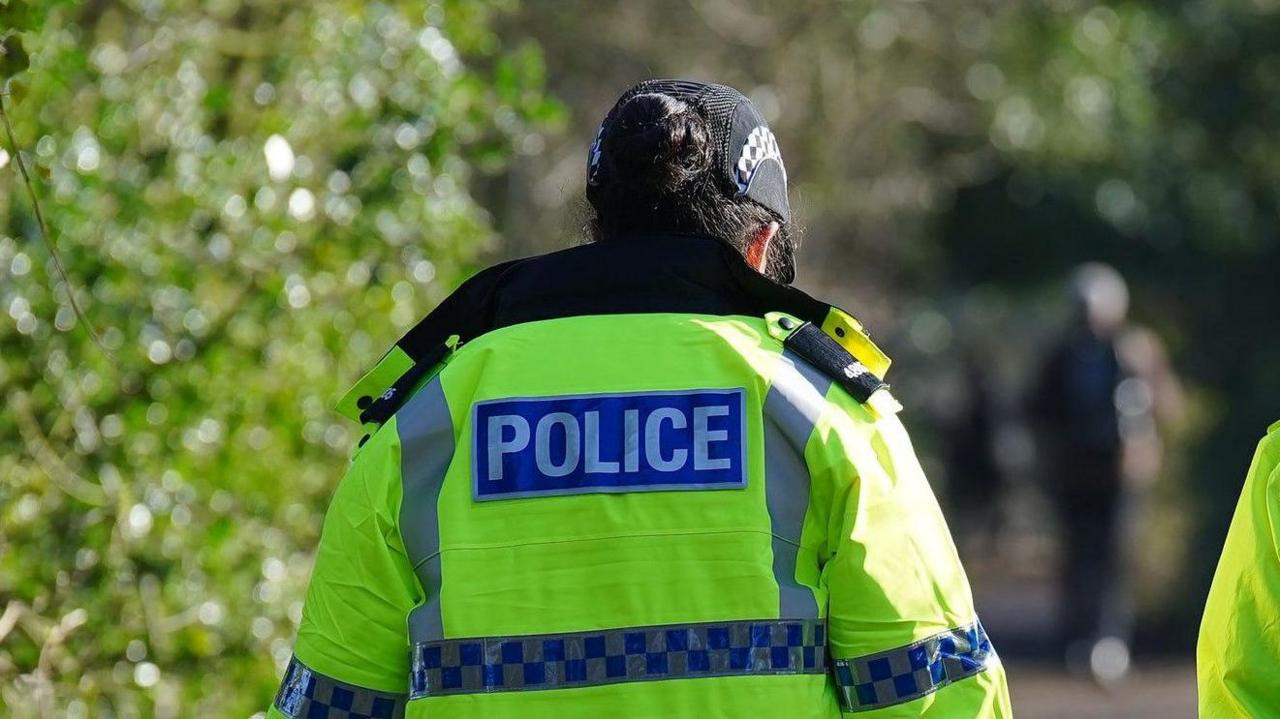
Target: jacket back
{"points": [[620, 506]]}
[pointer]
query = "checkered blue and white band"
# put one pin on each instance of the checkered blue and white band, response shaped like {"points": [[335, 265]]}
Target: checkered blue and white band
{"points": [[306, 694], [611, 656], [913, 671], [681, 651], [759, 146], [593, 156]]}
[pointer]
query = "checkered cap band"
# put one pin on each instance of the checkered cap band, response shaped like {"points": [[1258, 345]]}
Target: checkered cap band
{"points": [[761, 145], [611, 656], [906, 673], [305, 694], [593, 156]]}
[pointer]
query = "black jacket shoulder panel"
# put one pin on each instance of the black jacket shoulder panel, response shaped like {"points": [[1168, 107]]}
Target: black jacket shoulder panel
{"points": [[633, 275]]}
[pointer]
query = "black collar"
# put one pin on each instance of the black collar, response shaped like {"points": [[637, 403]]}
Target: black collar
{"points": [[688, 274]]}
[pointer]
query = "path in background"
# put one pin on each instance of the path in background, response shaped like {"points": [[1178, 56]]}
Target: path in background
{"points": [[1018, 610], [1150, 692]]}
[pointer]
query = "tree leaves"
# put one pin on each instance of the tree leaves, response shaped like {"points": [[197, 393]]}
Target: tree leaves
{"points": [[144, 489]]}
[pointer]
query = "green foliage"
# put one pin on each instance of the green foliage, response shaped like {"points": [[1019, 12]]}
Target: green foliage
{"points": [[252, 200]]}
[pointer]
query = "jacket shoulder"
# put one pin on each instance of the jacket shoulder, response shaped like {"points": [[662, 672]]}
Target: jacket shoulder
{"points": [[834, 359]]}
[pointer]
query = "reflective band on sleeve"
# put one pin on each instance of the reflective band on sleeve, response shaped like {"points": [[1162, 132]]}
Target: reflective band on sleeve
{"points": [[304, 694], [916, 670], [610, 656]]}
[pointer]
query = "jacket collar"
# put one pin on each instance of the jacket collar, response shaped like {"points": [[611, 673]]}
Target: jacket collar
{"points": [[628, 275], [646, 273]]}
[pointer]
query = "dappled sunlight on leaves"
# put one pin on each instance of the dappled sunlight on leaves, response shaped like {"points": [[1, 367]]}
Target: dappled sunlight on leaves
{"points": [[253, 201]]}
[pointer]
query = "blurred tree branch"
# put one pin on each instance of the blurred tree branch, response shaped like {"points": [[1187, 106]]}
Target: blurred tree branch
{"points": [[44, 228], [39, 449]]}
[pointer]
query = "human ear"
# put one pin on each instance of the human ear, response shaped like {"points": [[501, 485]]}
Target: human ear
{"points": [[757, 249]]}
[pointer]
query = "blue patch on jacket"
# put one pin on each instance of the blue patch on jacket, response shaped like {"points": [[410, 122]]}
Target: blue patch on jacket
{"points": [[647, 441]]}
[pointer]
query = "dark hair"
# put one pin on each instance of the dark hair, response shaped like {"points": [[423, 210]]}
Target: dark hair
{"points": [[655, 174]]}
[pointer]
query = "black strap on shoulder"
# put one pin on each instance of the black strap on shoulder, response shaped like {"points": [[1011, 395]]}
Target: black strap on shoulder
{"points": [[389, 402], [824, 353]]}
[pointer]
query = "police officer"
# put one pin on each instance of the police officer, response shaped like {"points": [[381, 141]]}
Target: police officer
{"points": [[1239, 649], [641, 477]]}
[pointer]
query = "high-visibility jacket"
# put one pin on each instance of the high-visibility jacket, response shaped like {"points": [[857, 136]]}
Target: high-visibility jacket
{"points": [[1238, 655], [635, 479]]}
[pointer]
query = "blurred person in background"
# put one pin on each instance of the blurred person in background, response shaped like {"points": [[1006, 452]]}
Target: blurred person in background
{"points": [[1239, 649], [641, 477], [1098, 406]]}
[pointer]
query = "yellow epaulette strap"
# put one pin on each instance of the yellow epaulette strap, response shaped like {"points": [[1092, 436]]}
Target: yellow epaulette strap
{"points": [[850, 334], [829, 356]]}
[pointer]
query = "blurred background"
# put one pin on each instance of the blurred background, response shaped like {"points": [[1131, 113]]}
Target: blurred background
{"points": [[251, 200]]}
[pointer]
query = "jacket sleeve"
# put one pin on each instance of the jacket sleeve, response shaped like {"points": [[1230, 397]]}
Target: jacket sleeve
{"points": [[903, 634], [1238, 648], [352, 649]]}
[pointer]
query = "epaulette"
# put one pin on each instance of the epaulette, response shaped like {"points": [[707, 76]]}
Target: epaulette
{"points": [[386, 404], [384, 389], [360, 397], [833, 358], [849, 333], [461, 317]]}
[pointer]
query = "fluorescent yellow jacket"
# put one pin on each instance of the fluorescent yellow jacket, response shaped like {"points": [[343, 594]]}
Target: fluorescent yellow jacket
{"points": [[636, 479], [1238, 657]]}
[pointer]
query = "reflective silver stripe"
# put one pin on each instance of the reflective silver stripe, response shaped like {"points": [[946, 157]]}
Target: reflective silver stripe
{"points": [[611, 656], [913, 671], [305, 693], [791, 409], [426, 450]]}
